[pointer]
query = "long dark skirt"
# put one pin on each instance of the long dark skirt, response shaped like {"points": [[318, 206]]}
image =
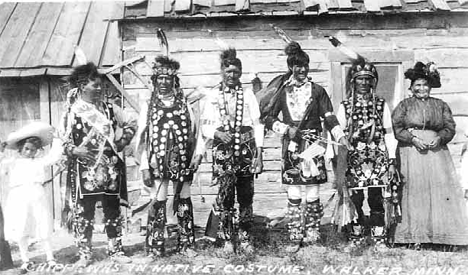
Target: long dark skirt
{"points": [[433, 207]]}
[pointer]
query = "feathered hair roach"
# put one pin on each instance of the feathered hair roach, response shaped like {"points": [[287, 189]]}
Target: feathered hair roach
{"points": [[82, 74], [296, 56], [229, 57]]}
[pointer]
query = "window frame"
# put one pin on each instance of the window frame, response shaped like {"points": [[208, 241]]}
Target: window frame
{"points": [[404, 59]]}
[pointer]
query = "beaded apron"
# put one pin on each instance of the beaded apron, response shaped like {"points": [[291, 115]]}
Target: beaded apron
{"points": [[169, 141], [368, 161]]}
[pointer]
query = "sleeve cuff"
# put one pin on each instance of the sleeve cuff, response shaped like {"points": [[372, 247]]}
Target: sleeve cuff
{"points": [[259, 131], [200, 149], [144, 161], [208, 131], [279, 127], [337, 132]]}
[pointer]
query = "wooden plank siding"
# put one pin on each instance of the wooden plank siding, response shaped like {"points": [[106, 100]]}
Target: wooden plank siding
{"points": [[67, 34], [405, 39], [217, 8], [39, 36], [17, 28]]}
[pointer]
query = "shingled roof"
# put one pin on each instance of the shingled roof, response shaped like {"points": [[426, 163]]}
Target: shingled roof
{"points": [[191, 8], [39, 38]]}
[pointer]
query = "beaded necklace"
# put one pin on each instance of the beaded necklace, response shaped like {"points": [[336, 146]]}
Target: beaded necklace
{"points": [[239, 113], [169, 131]]}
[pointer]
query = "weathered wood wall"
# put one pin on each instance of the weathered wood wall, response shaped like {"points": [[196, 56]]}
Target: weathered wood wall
{"points": [[25, 100], [441, 38]]}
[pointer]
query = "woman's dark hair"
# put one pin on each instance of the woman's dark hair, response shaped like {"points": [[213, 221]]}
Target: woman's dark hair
{"points": [[229, 57], [296, 56], [82, 74], [421, 71], [37, 142]]}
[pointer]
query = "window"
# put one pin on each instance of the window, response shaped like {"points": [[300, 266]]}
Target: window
{"points": [[390, 67], [20, 101]]}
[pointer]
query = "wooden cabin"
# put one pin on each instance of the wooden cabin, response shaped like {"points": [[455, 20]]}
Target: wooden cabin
{"points": [[37, 42], [393, 34]]}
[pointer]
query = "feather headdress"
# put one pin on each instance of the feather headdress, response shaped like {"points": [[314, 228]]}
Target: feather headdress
{"points": [[163, 44]]}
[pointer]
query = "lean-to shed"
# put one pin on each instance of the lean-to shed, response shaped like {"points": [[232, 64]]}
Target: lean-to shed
{"points": [[37, 43]]}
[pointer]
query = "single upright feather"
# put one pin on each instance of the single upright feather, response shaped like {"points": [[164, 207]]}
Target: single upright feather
{"points": [[163, 41], [282, 34], [80, 56], [352, 55]]}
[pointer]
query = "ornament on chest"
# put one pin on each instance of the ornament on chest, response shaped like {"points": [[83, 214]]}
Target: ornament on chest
{"points": [[169, 128]]}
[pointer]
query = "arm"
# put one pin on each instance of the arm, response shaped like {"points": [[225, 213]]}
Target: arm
{"points": [[389, 137], [326, 111], [259, 131], [255, 117], [399, 125], [55, 153], [271, 119], [128, 122], [448, 131], [209, 117]]}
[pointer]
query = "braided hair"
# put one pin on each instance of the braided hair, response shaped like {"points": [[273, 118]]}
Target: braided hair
{"points": [[296, 56]]}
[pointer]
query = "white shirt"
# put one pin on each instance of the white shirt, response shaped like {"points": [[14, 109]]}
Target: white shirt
{"points": [[211, 117]]}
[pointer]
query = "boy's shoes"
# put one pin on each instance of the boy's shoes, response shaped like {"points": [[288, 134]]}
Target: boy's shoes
{"points": [[189, 252], [120, 258], [292, 247], [228, 247], [26, 266], [84, 261], [51, 263], [246, 247]]}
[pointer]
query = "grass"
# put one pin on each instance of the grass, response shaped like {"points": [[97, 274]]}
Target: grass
{"points": [[326, 257]]}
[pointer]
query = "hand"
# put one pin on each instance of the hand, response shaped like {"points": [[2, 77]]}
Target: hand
{"points": [[419, 144], [345, 142], [434, 143], [82, 153], [146, 175], [225, 137], [391, 171], [257, 165], [196, 161], [291, 132], [2, 146], [121, 143]]}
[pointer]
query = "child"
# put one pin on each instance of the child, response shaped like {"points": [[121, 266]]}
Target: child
{"points": [[27, 213]]}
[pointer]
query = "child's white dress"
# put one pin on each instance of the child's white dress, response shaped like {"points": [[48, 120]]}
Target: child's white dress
{"points": [[27, 211]]}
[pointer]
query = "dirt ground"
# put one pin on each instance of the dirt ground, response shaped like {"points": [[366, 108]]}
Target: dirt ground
{"points": [[327, 257]]}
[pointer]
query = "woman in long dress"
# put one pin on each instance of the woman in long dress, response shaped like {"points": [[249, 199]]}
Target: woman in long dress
{"points": [[432, 204]]}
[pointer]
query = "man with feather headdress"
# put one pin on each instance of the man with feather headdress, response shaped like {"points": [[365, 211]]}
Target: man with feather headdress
{"points": [[167, 139], [303, 104], [231, 119], [366, 120]]}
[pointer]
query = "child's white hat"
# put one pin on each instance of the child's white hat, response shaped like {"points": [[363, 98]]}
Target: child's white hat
{"points": [[39, 129]]}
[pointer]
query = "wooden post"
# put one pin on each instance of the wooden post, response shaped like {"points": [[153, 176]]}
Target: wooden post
{"points": [[5, 253]]}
